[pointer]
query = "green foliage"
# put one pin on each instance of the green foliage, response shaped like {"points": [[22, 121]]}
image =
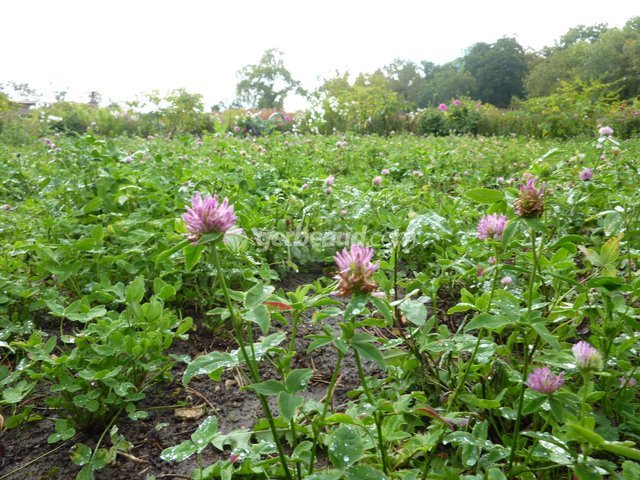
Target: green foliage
{"points": [[366, 106], [499, 70], [93, 246], [458, 119], [267, 84], [594, 53]]}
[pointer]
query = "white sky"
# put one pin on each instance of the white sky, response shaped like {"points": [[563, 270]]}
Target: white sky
{"points": [[122, 48]]}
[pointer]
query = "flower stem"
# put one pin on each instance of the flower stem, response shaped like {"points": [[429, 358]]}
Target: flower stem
{"points": [[527, 356], [478, 340], [325, 409], [585, 391], [377, 416], [250, 360]]}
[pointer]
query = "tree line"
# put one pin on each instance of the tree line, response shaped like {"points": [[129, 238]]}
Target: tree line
{"points": [[494, 73]]}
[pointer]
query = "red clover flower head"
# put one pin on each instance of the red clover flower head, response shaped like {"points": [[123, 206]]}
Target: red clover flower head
{"points": [[606, 131], [377, 181], [208, 215], [587, 357], [355, 270], [530, 201], [491, 226], [443, 107], [586, 174], [329, 181], [457, 102], [542, 380]]}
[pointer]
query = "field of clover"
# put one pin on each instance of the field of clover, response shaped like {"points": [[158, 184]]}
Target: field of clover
{"points": [[484, 293]]}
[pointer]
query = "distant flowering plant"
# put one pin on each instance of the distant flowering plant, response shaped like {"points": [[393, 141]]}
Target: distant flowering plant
{"points": [[457, 102], [542, 380], [491, 226], [530, 201], [587, 357], [443, 107], [208, 215], [606, 131], [356, 270], [586, 174]]}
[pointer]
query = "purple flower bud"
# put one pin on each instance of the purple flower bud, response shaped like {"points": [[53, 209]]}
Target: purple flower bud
{"points": [[586, 174], [377, 181], [457, 102], [385, 171], [329, 181], [530, 201], [356, 270], [443, 107], [506, 281], [587, 357]]}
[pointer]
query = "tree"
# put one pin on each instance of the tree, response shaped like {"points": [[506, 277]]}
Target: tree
{"points": [[582, 33], [498, 69], [266, 84], [406, 79], [446, 82], [561, 66], [367, 106]]}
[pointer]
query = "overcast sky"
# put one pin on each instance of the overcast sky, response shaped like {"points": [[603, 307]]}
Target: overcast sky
{"points": [[122, 48]]}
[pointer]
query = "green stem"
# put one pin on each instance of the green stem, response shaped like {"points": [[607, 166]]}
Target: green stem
{"points": [[294, 333], [294, 436], [377, 416], [516, 432], [535, 444], [325, 409], [585, 391], [525, 366], [478, 340], [250, 360]]}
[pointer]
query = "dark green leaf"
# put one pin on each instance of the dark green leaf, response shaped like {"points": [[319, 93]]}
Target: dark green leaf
{"points": [[268, 387], [179, 452], [205, 433], [488, 321], [192, 254], [345, 447], [415, 312], [288, 403], [256, 295], [297, 379], [484, 195]]}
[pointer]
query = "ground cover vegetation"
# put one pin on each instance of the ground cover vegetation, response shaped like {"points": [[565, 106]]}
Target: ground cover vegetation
{"points": [[430, 274], [477, 300]]}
